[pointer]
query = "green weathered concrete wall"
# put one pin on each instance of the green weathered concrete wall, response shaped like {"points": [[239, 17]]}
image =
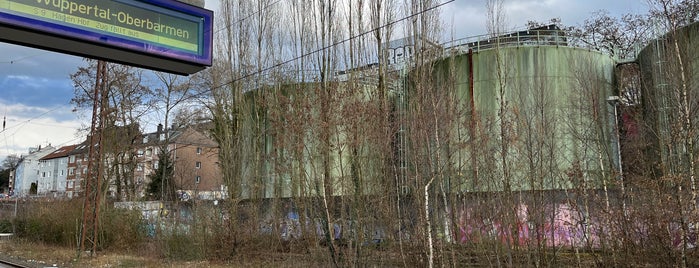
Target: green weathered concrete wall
{"points": [[556, 117], [558, 126], [284, 151], [661, 83]]}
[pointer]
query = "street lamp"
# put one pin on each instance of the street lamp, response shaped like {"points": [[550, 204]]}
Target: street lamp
{"points": [[615, 101]]}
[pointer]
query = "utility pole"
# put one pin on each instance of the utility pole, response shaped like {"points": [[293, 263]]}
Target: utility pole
{"points": [[91, 206]]}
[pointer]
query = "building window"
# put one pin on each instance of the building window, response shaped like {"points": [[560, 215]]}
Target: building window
{"points": [[71, 159], [155, 165], [63, 172], [149, 152], [198, 164], [140, 153], [43, 174], [198, 150], [197, 179], [71, 171], [139, 167]]}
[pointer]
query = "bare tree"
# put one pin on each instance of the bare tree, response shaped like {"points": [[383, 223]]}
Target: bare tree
{"points": [[10, 162], [671, 113], [127, 102], [191, 116], [620, 37], [174, 91], [428, 139]]}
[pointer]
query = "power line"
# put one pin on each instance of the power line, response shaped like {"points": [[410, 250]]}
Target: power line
{"points": [[23, 58], [249, 74], [324, 48], [227, 26], [23, 123], [68, 142], [20, 125], [49, 125]]}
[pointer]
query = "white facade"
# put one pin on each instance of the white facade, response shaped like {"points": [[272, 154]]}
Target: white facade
{"points": [[27, 171], [52, 176]]}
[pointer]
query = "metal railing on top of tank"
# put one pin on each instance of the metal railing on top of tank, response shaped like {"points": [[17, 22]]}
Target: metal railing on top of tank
{"points": [[534, 37]]}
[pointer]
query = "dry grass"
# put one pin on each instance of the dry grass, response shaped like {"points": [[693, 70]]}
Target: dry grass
{"points": [[34, 254], [40, 255]]}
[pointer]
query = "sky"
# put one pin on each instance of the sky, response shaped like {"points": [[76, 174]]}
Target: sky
{"points": [[35, 85]]}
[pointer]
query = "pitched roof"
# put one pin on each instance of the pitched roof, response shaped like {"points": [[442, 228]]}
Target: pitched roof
{"points": [[82, 147], [60, 152], [186, 135]]}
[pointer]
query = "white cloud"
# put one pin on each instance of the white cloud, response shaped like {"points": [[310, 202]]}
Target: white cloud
{"points": [[31, 126], [30, 62], [36, 86], [469, 17]]}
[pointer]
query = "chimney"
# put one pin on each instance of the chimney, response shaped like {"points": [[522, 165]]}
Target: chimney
{"points": [[160, 128]]}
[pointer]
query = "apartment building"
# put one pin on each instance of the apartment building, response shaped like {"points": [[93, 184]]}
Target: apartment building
{"points": [[77, 170], [53, 172], [26, 178], [196, 172]]}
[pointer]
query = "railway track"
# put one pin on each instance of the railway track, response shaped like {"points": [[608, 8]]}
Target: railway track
{"points": [[9, 264]]}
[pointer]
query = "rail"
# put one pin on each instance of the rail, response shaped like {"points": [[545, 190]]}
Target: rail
{"points": [[10, 264]]}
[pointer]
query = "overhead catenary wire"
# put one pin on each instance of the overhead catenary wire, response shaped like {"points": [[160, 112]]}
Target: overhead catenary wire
{"points": [[251, 74], [227, 26], [23, 58], [22, 123], [28, 121]]}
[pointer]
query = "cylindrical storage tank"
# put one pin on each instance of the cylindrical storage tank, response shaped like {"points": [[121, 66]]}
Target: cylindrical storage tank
{"points": [[528, 118], [669, 77], [308, 140]]}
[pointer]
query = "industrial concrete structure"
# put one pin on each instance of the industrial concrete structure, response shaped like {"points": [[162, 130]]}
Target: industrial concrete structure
{"points": [[669, 71], [555, 116], [555, 95]]}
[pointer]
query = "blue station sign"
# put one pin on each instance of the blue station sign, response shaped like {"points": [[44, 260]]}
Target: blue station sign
{"points": [[149, 34]]}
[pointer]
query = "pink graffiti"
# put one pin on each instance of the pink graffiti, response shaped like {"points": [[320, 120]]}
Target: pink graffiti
{"points": [[562, 227]]}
